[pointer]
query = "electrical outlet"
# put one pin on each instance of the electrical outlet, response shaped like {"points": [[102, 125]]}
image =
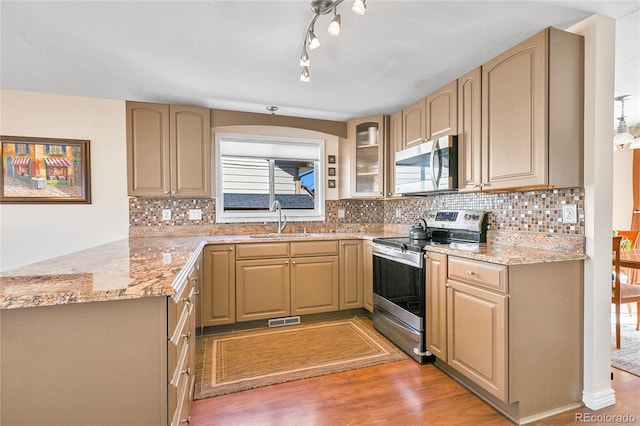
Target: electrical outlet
{"points": [[166, 214], [340, 213], [398, 213], [569, 213], [195, 214], [166, 258]]}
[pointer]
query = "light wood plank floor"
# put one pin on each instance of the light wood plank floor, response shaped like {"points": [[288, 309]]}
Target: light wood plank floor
{"points": [[399, 393]]}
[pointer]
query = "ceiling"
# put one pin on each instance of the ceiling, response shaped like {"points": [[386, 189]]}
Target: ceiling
{"points": [[243, 55]]}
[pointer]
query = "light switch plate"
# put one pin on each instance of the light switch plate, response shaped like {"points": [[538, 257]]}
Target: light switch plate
{"points": [[569, 213], [195, 214], [166, 214], [340, 213]]}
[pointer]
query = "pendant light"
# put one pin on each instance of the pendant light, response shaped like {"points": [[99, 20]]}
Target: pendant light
{"points": [[622, 137]]}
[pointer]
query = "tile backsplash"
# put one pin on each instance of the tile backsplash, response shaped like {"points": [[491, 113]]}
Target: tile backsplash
{"points": [[530, 211]]}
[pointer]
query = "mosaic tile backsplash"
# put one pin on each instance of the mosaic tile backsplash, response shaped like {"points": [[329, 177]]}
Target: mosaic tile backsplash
{"points": [[530, 211]]}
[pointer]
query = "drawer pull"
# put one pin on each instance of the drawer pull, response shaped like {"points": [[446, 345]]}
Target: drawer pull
{"points": [[187, 420], [186, 335], [470, 273], [187, 371]]}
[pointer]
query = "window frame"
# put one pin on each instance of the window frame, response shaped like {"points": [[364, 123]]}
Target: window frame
{"points": [[293, 215]]}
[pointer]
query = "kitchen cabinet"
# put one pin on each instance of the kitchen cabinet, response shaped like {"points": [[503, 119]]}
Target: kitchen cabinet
{"points": [[431, 117], [168, 150], [441, 112], [414, 126], [367, 274], [513, 333], [263, 287], [351, 275], [286, 278], [315, 277], [394, 145], [436, 304], [218, 295], [469, 131], [366, 139], [181, 351], [532, 113], [117, 362]]}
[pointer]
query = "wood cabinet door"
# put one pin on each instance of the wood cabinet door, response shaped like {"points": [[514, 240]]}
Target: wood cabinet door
{"points": [[368, 138], [218, 292], [351, 277], [414, 127], [477, 336], [190, 151], [436, 304], [394, 145], [148, 156], [314, 285], [514, 121], [469, 131], [262, 289], [367, 274], [442, 112]]}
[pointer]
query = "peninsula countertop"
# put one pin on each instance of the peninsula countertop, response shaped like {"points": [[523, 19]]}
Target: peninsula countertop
{"points": [[151, 266]]}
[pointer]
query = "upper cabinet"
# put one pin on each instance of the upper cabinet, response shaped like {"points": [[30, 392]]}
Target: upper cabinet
{"points": [[414, 127], [441, 112], [394, 145], [532, 114], [469, 130], [168, 150], [366, 140], [431, 117]]}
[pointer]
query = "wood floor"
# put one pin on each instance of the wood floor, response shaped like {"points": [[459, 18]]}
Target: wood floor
{"points": [[399, 393]]}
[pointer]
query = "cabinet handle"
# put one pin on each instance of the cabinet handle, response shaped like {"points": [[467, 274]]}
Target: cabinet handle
{"points": [[187, 371], [293, 262], [286, 262], [187, 420], [470, 273], [196, 293], [187, 335], [166, 192], [447, 285], [230, 248]]}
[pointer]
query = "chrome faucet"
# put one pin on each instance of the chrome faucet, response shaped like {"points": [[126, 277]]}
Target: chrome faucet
{"points": [[276, 207]]}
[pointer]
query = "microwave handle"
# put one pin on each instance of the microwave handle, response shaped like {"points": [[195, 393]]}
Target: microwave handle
{"points": [[435, 179]]}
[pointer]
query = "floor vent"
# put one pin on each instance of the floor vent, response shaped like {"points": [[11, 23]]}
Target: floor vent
{"points": [[279, 322]]}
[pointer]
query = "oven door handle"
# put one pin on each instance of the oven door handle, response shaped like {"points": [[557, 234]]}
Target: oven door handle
{"points": [[398, 259]]}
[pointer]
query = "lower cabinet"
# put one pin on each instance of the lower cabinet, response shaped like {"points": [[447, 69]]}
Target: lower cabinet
{"points": [[262, 289], [367, 274], [181, 348], [314, 285], [513, 333], [218, 295], [351, 274]]}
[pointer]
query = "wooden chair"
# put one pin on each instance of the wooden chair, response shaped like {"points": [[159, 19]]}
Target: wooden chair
{"points": [[630, 240], [622, 293]]}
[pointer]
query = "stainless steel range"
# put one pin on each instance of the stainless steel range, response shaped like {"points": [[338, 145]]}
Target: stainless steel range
{"points": [[399, 275]]}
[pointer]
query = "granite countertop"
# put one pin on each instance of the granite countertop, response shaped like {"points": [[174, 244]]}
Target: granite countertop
{"points": [[154, 266]]}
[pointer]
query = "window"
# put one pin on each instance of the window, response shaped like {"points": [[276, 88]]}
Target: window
{"points": [[254, 171]]}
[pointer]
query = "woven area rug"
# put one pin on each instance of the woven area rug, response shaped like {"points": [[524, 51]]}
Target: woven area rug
{"points": [[237, 361], [626, 358]]}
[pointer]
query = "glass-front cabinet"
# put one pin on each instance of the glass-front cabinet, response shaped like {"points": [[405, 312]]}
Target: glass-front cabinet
{"points": [[367, 139]]}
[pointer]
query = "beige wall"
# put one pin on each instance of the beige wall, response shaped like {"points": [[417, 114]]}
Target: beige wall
{"points": [[34, 232], [622, 188]]}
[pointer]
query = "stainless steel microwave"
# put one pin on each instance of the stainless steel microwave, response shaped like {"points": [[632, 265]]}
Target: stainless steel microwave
{"points": [[431, 166]]}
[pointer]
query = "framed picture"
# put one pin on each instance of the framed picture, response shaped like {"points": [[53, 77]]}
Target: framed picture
{"points": [[332, 171], [332, 183], [44, 170], [332, 159]]}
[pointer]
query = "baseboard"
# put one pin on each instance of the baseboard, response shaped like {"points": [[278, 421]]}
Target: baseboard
{"points": [[598, 400]]}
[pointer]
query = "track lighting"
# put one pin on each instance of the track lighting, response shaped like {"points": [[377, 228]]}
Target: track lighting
{"points": [[334, 26], [311, 42], [359, 7]]}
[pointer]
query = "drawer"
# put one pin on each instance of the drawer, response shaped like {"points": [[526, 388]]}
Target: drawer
{"points": [[181, 335], [262, 250], [179, 402], [484, 274], [183, 365], [314, 248]]}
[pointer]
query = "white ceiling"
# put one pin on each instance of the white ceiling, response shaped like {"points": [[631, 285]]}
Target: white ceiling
{"points": [[243, 55]]}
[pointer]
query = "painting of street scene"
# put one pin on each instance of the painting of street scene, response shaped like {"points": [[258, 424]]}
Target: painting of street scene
{"points": [[44, 170]]}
